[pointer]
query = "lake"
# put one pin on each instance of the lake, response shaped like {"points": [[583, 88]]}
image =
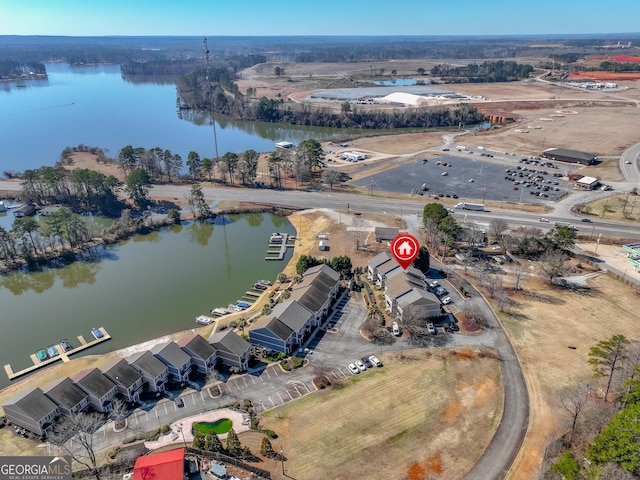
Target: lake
{"points": [[95, 106], [146, 287]]}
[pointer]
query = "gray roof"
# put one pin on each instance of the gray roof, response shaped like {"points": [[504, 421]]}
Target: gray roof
{"points": [[93, 382], [314, 289], [123, 373], [65, 393], [275, 326], [386, 233], [380, 259], [198, 345], [229, 341], [33, 403], [419, 298], [570, 153], [146, 362], [172, 353], [292, 314]]}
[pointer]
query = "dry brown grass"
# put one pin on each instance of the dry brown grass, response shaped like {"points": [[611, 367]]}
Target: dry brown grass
{"points": [[618, 207], [366, 428], [544, 324]]}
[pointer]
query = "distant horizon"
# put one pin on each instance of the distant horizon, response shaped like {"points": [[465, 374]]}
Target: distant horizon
{"points": [[253, 18]]}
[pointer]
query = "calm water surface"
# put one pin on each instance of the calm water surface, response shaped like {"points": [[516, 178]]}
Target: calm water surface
{"points": [[149, 286], [95, 106]]}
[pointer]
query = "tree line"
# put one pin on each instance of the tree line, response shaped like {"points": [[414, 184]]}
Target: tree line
{"points": [[602, 440], [10, 69], [499, 71], [214, 90]]}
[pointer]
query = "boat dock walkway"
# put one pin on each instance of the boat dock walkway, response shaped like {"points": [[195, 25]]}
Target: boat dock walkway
{"points": [[64, 356], [276, 251]]}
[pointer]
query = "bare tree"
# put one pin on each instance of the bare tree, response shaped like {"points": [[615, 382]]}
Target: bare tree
{"points": [[119, 411], [574, 400], [496, 227], [75, 436], [360, 226], [414, 324], [501, 296], [383, 337], [519, 271], [553, 264], [331, 177], [491, 283]]}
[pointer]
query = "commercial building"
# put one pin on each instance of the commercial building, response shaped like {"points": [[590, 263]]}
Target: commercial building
{"points": [[572, 156]]}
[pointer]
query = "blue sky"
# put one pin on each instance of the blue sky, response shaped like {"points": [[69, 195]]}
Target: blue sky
{"points": [[326, 17]]}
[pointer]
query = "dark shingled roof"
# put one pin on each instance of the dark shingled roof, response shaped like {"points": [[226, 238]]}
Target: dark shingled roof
{"points": [[33, 403], [65, 393], [148, 363], [275, 326], [229, 341], [292, 314], [172, 353], [93, 382], [126, 375], [198, 345], [314, 289]]}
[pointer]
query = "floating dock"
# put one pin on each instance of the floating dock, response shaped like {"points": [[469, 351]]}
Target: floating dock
{"points": [[64, 356], [276, 251]]}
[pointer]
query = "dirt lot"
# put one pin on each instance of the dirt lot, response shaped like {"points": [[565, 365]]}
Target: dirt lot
{"points": [[449, 404]]}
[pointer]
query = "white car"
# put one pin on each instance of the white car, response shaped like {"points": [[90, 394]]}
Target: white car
{"points": [[353, 369], [628, 162], [431, 328], [374, 360], [360, 365], [543, 219], [395, 328], [447, 300], [444, 174]]}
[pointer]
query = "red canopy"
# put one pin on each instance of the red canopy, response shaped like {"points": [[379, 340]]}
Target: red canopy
{"points": [[160, 466]]}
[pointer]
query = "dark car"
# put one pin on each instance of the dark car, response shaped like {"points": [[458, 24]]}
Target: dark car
{"points": [[586, 220], [179, 402], [367, 362], [65, 345]]}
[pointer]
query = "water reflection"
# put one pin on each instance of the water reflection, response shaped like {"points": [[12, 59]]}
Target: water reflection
{"points": [[255, 219], [200, 232], [70, 276]]}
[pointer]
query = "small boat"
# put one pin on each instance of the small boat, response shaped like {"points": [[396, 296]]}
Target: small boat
{"points": [[234, 308], [264, 282], [42, 355], [220, 311], [65, 345], [242, 304], [258, 286], [97, 333], [203, 320], [52, 351]]}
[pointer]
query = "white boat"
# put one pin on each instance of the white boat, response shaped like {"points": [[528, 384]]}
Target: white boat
{"points": [[204, 320], [234, 308], [265, 282], [219, 311]]}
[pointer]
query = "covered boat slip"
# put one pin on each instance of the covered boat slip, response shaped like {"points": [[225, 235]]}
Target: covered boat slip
{"points": [[62, 355]]}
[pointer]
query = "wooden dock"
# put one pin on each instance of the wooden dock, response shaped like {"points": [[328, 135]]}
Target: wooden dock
{"points": [[64, 356], [276, 251]]}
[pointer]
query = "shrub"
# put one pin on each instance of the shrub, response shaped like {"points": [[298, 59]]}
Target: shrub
{"points": [[297, 362], [270, 433], [285, 364], [165, 429]]}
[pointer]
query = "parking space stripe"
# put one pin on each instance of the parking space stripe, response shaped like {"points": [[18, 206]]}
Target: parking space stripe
{"points": [[280, 397], [201, 395]]}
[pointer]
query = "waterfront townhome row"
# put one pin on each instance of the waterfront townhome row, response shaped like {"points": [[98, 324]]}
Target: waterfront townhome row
{"points": [[404, 290], [149, 371], [291, 322]]}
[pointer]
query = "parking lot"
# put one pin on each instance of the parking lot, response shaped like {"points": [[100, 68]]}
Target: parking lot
{"points": [[472, 175]]}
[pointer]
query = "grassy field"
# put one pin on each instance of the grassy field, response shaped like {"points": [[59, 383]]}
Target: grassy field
{"points": [[446, 404], [615, 207], [542, 326]]}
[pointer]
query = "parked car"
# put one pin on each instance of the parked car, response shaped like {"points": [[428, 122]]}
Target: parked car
{"points": [[353, 369], [431, 329], [360, 365], [367, 362], [395, 328], [447, 300], [179, 402], [453, 326], [375, 361]]}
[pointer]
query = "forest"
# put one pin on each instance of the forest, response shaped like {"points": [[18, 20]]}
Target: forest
{"points": [[500, 71]]}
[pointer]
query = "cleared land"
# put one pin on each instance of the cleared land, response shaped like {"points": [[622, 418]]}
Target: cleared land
{"points": [[447, 404]]}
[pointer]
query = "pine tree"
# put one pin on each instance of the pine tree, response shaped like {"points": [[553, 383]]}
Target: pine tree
{"points": [[213, 443], [198, 440], [266, 448], [233, 446], [606, 358]]}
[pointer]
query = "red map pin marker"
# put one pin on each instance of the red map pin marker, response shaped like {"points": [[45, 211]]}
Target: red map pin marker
{"points": [[404, 249]]}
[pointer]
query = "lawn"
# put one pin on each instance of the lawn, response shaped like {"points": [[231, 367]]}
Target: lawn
{"points": [[449, 404]]}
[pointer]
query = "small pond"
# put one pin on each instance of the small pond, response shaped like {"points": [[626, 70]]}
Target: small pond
{"points": [[218, 427]]}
